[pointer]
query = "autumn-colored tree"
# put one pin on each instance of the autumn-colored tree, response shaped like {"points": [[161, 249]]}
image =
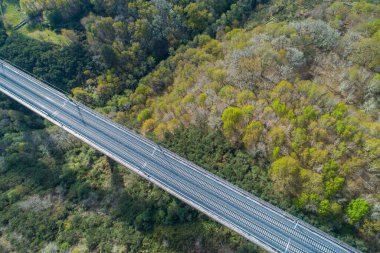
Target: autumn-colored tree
{"points": [[285, 173], [252, 133]]}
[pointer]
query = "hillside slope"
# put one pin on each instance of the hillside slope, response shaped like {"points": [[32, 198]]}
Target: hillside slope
{"points": [[279, 98], [301, 97]]}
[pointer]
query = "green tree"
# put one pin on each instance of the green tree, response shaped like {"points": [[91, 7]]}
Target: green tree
{"points": [[333, 185], [252, 133], [3, 33], [82, 95], [310, 113], [339, 111], [285, 173], [357, 209], [198, 17], [144, 115], [279, 107], [276, 136], [324, 207], [231, 119], [299, 137]]}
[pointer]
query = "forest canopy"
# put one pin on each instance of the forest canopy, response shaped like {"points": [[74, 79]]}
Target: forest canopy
{"points": [[281, 98]]}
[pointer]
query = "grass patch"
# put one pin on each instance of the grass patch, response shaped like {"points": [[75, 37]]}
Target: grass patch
{"points": [[13, 16], [47, 35]]}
